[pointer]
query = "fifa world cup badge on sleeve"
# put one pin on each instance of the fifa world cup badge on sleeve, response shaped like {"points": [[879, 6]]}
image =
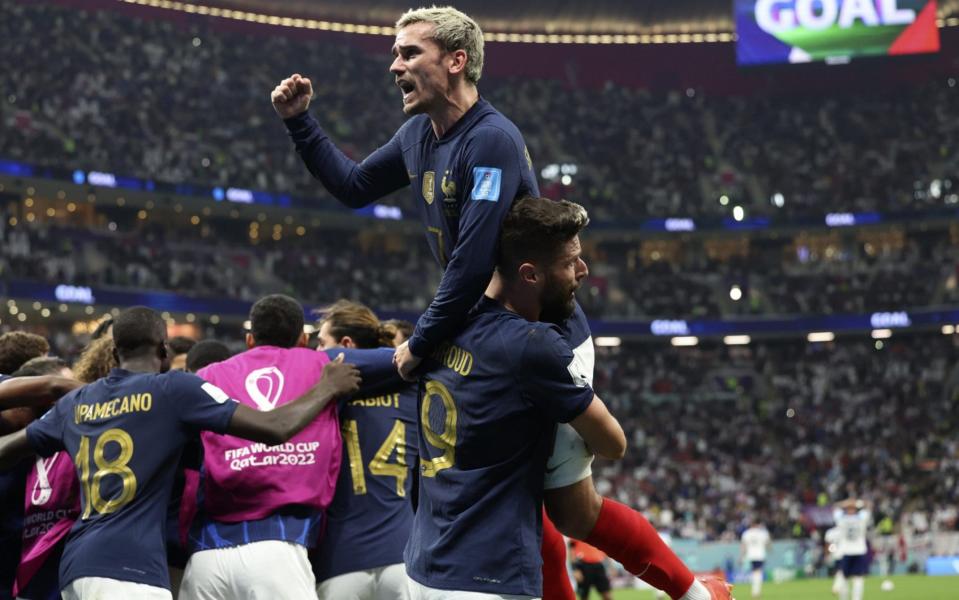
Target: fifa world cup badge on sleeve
{"points": [[486, 183]]}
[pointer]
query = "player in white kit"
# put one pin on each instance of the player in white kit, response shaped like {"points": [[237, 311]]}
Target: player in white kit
{"points": [[755, 543], [831, 538], [852, 518]]}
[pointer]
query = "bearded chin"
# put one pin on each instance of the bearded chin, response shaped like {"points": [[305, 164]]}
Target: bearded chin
{"points": [[557, 310]]}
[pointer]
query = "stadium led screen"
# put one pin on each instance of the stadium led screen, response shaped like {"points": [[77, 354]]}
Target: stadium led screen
{"points": [[799, 31]]}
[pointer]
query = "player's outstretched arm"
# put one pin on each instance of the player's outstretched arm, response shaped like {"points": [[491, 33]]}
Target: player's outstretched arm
{"points": [[13, 449], [354, 184], [280, 424], [600, 430], [34, 391]]}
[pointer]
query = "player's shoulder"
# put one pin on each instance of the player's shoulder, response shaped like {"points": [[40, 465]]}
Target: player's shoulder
{"points": [[414, 130]]}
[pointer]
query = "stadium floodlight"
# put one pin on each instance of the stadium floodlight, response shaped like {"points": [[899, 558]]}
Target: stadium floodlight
{"points": [[685, 340], [821, 336], [609, 342], [881, 334], [738, 213], [948, 329], [735, 293], [736, 340]]}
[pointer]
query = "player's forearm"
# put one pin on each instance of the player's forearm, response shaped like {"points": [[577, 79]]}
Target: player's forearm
{"points": [[601, 431], [459, 291], [280, 424], [34, 391], [13, 449], [342, 177]]}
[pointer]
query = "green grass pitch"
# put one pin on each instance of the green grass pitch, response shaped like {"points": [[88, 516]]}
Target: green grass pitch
{"points": [[908, 587]]}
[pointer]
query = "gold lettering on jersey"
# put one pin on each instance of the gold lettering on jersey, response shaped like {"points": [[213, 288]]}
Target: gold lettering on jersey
{"points": [[449, 188], [529, 159], [387, 401], [429, 178], [455, 358], [113, 408]]}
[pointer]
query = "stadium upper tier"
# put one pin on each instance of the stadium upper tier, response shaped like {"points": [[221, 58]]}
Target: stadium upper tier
{"points": [[186, 102], [196, 253]]}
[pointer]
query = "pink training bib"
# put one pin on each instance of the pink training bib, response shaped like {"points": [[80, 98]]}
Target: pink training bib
{"points": [[51, 506], [246, 480]]}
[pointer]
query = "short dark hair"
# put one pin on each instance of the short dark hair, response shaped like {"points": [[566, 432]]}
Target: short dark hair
{"points": [[276, 320], [41, 365], [17, 347], [348, 318], [206, 352], [181, 344], [535, 229], [138, 330]]}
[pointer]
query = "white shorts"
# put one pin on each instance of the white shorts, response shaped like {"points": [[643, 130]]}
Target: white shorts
{"points": [[571, 461], [103, 588], [268, 570], [381, 583], [419, 591]]}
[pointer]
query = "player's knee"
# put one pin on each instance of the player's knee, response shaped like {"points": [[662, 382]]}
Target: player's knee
{"points": [[574, 509]]}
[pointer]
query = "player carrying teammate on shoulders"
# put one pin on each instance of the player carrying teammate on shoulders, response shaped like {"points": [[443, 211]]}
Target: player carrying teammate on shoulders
{"points": [[466, 163], [368, 523], [124, 433], [490, 401]]}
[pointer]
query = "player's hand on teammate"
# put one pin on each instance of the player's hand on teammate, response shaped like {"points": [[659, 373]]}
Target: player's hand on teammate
{"points": [[292, 96], [340, 378], [405, 361]]}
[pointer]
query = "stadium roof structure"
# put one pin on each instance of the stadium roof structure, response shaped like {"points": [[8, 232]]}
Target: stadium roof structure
{"points": [[532, 16]]}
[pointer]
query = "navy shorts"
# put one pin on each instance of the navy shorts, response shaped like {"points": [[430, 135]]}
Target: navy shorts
{"points": [[855, 565], [757, 565]]}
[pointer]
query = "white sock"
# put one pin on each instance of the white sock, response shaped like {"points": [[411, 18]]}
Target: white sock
{"points": [[857, 586], [844, 590], [697, 591], [757, 581], [838, 582]]}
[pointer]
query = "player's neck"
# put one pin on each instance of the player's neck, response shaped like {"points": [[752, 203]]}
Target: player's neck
{"points": [[141, 365], [456, 104], [512, 299]]}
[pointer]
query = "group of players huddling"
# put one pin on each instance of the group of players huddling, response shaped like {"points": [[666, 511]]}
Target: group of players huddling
{"points": [[433, 470]]}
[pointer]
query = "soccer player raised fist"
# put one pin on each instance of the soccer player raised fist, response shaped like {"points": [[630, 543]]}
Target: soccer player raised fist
{"points": [[292, 96]]}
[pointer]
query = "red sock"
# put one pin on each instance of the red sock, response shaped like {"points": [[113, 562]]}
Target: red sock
{"points": [[556, 585], [626, 536]]}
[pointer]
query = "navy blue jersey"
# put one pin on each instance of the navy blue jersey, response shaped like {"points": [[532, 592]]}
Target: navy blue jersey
{"points": [[465, 183], [369, 521], [12, 485], [489, 403], [296, 524], [125, 433]]}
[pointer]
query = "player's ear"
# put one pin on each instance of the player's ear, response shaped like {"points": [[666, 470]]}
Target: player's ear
{"points": [[250, 342], [347, 342], [528, 273], [458, 60], [303, 340]]}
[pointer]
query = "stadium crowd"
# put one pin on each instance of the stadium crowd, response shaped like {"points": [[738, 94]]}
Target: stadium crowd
{"points": [[721, 433], [394, 272], [682, 151]]}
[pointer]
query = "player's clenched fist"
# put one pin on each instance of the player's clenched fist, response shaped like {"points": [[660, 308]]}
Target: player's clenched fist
{"points": [[292, 96]]}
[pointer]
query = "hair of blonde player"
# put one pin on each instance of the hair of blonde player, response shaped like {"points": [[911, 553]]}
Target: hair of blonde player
{"points": [[452, 30]]}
